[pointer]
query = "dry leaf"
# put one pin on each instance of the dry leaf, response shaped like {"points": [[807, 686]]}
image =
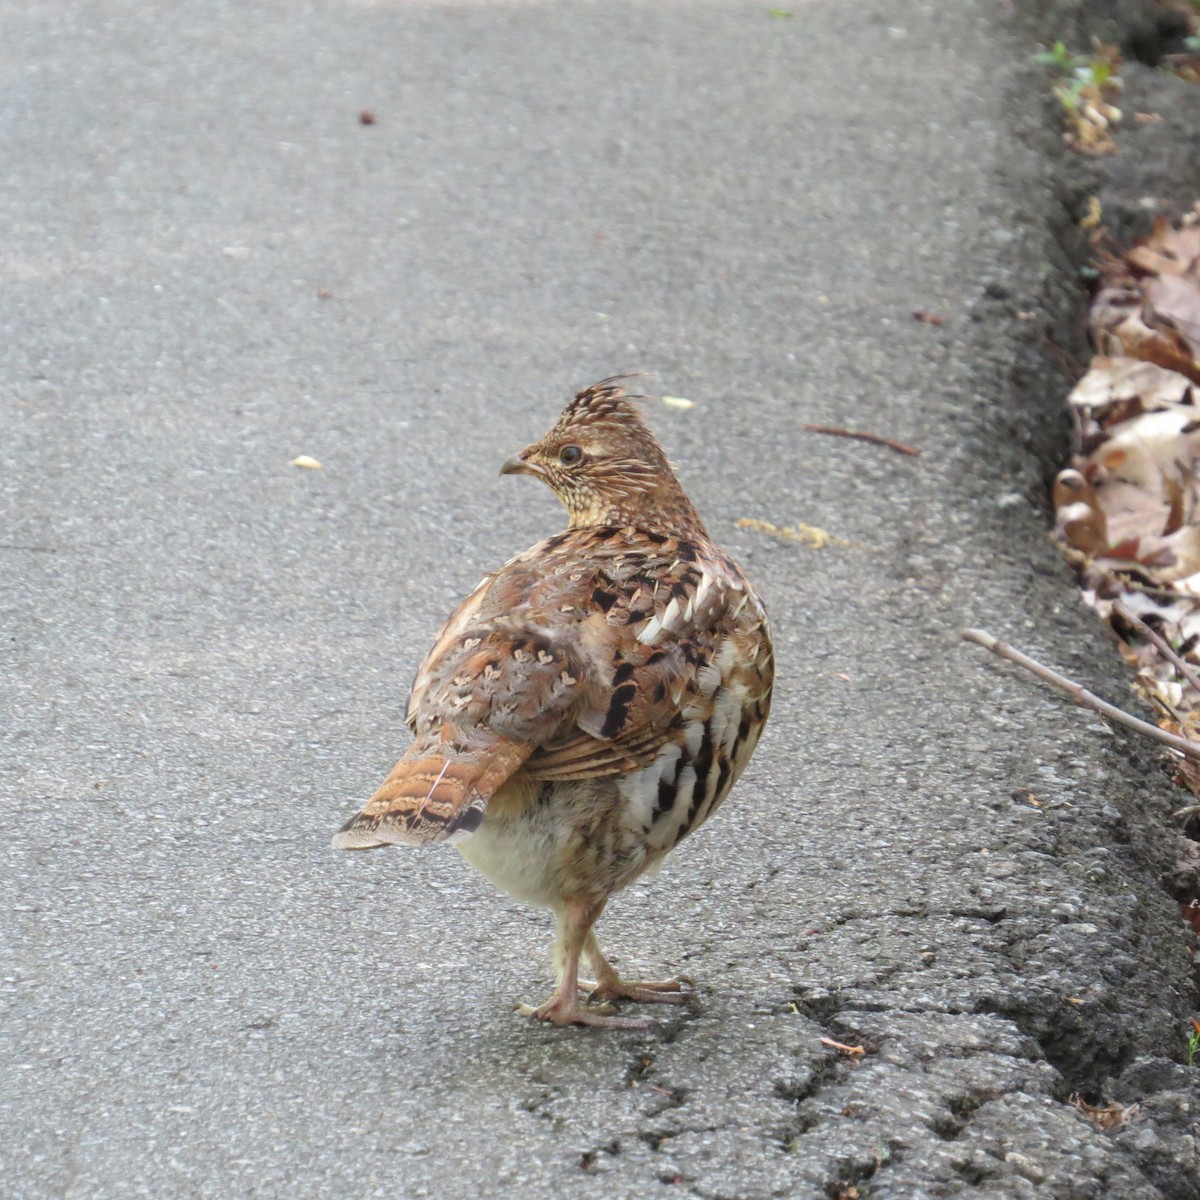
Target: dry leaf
{"points": [[1174, 557], [1107, 1116], [1167, 251], [1149, 306], [1174, 301], [1118, 389], [1122, 325], [1128, 510], [1152, 446], [1079, 518], [808, 535], [1176, 493], [1094, 214]]}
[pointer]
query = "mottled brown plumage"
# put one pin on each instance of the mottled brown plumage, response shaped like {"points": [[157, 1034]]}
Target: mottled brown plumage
{"points": [[589, 704]]}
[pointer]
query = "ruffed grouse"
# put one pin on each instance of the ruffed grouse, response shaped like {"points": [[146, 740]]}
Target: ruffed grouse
{"points": [[589, 704]]}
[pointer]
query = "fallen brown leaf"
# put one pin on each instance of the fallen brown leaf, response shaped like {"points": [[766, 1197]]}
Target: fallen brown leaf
{"points": [[1149, 306], [1167, 251], [1174, 301], [1079, 517], [1107, 1116], [1091, 220], [1122, 325], [818, 539], [808, 535], [1117, 389]]}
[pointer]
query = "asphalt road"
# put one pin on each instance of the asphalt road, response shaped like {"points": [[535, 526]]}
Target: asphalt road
{"points": [[212, 266]]}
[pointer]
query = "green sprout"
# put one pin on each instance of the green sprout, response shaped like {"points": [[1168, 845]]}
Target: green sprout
{"points": [[1078, 73], [1058, 57]]}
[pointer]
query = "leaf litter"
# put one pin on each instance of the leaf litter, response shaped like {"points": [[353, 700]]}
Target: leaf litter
{"points": [[1127, 508]]}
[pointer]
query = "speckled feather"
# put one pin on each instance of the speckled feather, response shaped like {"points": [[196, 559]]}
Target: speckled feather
{"points": [[593, 701]]}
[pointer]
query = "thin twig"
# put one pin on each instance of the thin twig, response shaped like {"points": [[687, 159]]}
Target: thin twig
{"points": [[1164, 647], [1158, 702], [1080, 695], [877, 438]]}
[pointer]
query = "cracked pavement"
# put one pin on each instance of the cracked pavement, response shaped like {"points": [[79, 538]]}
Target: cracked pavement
{"points": [[214, 267]]}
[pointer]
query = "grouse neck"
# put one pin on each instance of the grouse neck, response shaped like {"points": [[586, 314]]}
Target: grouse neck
{"points": [[680, 521]]}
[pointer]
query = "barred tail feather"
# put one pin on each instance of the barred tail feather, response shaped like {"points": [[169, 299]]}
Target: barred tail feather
{"points": [[436, 792]]}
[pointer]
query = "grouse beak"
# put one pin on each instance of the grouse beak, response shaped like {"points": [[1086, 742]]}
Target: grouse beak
{"points": [[518, 466]]}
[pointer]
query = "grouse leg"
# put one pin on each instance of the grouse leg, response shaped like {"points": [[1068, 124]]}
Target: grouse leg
{"points": [[575, 921], [610, 986]]}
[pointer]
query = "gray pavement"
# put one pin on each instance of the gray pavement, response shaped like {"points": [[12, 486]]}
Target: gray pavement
{"points": [[212, 267]]}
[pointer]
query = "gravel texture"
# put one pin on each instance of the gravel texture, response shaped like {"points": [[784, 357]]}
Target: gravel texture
{"points": [[213, 266]]}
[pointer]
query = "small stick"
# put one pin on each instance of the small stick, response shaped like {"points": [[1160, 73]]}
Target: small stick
{"points": [[877, 438], [1163, 646], [1080, 695]]}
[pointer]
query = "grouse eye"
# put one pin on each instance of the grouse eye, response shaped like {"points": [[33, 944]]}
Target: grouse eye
{"points": [[570, 455]]}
